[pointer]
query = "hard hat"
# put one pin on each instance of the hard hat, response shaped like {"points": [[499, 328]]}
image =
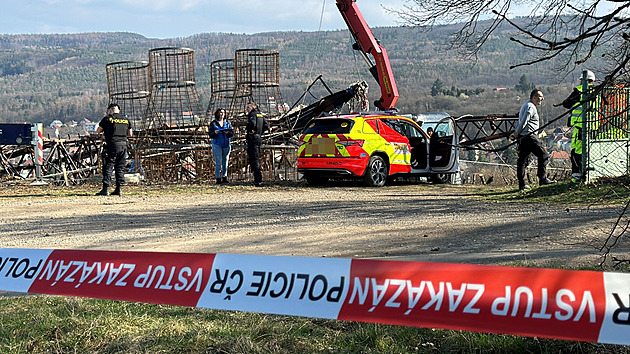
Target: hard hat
{"points": [[589, 75]]}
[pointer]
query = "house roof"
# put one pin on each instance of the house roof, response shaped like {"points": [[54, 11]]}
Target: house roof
{"points": [[559, 155]]}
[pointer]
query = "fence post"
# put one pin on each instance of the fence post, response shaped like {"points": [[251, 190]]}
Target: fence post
{"points": [[585, 108]]}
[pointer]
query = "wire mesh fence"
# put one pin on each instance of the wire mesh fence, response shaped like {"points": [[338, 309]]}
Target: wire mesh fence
{"points": [[605, 135], [128, 86]]}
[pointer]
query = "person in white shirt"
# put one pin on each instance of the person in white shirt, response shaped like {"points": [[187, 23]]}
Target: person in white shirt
{"points": [[526, 132]]}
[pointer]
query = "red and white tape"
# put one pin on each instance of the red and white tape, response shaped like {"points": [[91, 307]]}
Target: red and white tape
{"points": [[562, 304]]}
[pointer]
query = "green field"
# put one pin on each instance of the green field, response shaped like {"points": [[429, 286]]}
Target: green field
{"points": [[66, 325]]}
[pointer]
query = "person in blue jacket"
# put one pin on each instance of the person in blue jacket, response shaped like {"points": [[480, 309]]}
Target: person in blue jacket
{"points": [[221, 131]]}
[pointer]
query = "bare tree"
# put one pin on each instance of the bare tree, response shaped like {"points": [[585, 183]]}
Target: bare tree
{"points": [[572, 31], [568, 33]]}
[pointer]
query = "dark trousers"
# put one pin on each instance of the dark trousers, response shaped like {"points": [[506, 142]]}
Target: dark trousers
{"points": [[253, 153], [576, 162], [528, 145], [114, 158]]}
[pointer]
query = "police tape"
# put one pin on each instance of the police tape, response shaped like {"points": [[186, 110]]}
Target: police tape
{"points": [[562, 304]]}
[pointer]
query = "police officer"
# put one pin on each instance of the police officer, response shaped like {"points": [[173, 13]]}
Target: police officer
{"points": [[256, 125], [117, 130], [575, 121]]}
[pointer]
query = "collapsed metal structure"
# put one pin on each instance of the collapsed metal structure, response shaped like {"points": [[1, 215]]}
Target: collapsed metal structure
{"points": [[66, 162], [171, 141], [252, 76], [476, 130], [174, 144]]}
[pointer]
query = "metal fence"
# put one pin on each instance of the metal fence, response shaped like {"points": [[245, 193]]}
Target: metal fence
{"points": [[606, 146]]}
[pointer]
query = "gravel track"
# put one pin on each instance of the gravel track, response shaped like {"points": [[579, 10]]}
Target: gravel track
{"points": [[403, 222]]}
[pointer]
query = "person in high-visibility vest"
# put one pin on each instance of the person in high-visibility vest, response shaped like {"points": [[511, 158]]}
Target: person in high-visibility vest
{"points": [[575, 121]]}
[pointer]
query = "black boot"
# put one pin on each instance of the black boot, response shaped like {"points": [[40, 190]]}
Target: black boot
{"points": [[104, 191], [224, 180], [117, 191], [219, 181]]}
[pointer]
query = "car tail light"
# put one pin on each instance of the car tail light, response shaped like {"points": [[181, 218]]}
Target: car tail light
{"points": [[347, 143]]}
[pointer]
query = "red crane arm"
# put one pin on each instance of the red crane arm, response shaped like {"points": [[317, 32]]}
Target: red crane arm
{"points": [[367, 44]]}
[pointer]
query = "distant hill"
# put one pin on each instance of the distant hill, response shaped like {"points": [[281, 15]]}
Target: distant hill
{"points": [[62, 76]]}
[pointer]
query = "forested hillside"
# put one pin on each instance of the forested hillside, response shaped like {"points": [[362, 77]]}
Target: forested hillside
{"points": [[49, 77]]}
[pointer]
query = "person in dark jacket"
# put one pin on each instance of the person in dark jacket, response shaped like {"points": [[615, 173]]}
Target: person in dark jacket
{"points": [[256, 125], [221, 131], [117, 131]]}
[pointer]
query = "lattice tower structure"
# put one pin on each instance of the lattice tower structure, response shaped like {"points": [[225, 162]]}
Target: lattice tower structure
{"points": [[257, 75], [175, 143], [174, 113], [222, 87], [128, 86]]}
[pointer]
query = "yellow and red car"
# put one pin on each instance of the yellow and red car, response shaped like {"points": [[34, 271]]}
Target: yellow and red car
{"points": [[375, 147]]}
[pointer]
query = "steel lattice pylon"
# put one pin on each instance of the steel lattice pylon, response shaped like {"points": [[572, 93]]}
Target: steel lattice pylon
{"points": [[174, 105], [128, 86], [257, 75], [174, 144], [223, 88]]}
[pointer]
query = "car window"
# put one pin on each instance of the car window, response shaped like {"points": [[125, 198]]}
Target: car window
{"points": [[394, 124], [443, 129], [403, 127], [411, 131], [370, 126], [330, 126]]}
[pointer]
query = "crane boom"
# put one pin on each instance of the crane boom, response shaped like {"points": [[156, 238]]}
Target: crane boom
{"points": [[367, 44]]}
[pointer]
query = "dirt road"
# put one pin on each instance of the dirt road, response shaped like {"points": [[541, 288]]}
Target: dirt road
{"points": [[406, 222]]}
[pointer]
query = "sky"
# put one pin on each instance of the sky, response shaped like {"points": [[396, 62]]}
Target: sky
{"points": [[182, 18]]}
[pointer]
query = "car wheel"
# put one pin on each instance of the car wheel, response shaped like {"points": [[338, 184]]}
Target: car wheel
{"points": [[440, 178], [315, 180], [376, 172]]}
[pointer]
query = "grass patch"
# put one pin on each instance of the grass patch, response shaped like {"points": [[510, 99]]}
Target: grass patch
{"points": [[62, 324], [604, 192]]}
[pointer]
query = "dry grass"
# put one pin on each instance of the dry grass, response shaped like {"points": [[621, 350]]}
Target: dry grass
{"points": [[61, 325]]}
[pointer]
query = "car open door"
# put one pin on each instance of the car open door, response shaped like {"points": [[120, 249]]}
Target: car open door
{"points": [[393, 131], [443, 150], [419, 147]]}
